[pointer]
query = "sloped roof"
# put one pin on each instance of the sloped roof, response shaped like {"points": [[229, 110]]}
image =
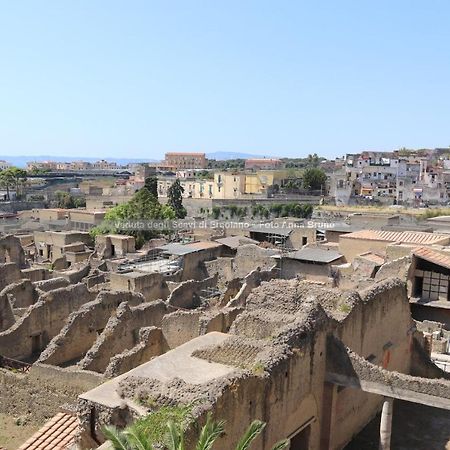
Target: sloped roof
{"points": [[407, 237], [236, 241], [177, 249], [432, 256], [271, 228], [315, 255], [57, 434]]}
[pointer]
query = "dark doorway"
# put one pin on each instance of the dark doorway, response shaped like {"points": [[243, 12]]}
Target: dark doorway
{"points": [[300, 441], [36, 344]]}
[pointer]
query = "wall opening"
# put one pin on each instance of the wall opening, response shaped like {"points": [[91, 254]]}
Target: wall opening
{"points": [[300, 441]]}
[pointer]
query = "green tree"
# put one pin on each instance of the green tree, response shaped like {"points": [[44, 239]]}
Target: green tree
{"points": [[144, 206], [314, 179], [216, 212], [175, 199], [13, 178], [135, 438], [151, 183], [313, 160]]}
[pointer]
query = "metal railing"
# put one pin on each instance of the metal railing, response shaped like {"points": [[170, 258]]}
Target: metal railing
{"points": [[14, 365]]}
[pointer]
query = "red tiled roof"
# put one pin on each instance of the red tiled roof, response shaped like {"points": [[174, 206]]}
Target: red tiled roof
{"points": [[432, 256], [407, 237], [57, 434]]}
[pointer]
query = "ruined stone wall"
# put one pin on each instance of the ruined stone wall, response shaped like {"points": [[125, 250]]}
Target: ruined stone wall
{"points": [[74, 276], [151, 343], [223, 267], [251, 281], [194, 263], [180, 327], [396, 268], [378, 328], [20, 294], [249, 258], [9, 273], [121, 333], [6, 313], [11, 251], [43, 321], [83, 327], [52, 283], [36, 274], [39, 394], [351, 248], [186, 294], [292, 268], [152, 286]]}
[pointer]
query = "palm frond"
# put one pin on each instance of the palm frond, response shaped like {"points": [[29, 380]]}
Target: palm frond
{"points": [[138, 439], [117, 437], [250, 435], [174, 436], [209, 433], [281, 445]]}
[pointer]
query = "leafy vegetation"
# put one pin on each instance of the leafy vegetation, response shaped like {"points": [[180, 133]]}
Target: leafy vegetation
{"points": [[151, 183], [226, 164], [66, 200], [314, 178], [166, 427], [175, 199], [14, 179], [142, 207]]}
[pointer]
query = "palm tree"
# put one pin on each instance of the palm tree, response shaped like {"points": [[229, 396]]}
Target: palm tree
{"points": [[133, 438]]}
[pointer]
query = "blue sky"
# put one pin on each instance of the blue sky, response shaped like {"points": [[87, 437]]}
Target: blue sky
{"points": [[288, 78]]}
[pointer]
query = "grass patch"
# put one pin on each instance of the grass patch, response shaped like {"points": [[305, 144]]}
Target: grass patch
{"points": [[258, 369], [154, 425], [345, 308], [435, 212]]}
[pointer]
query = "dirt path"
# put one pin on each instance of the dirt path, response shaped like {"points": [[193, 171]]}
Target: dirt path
{"points": [[13, 435]]}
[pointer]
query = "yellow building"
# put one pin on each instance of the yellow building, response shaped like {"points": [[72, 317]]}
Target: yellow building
{"points": [[259, 182], [229, 185]]}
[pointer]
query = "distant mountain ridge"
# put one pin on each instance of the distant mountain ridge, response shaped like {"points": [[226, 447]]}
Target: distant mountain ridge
{"points": [[233, 155]]}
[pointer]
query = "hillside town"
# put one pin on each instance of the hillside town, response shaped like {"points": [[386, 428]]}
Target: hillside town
{"points": [[306, 298]]}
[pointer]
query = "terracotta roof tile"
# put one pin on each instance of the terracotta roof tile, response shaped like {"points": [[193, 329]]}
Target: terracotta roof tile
{"points": [[58, 433], [406, 237], [432, 256]]}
